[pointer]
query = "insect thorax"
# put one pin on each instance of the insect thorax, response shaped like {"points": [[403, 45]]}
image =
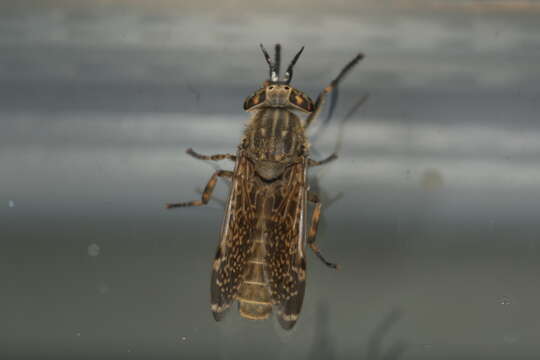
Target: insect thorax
{"points": [[273, 139]]}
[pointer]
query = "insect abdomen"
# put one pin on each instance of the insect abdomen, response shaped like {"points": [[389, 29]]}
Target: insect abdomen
{"points": [[254, 293]]}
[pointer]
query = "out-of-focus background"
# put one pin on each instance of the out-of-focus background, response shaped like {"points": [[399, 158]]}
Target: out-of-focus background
{"points": [[437, 188]]}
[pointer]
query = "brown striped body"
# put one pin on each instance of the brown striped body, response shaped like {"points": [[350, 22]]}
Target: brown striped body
{"points": [[274, 138], [254, 294], [265, 219], [260, 261], [276, 241]]}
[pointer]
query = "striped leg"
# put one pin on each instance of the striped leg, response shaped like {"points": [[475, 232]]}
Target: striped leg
{"points": [[216, 157], [322, 96], [313, 230], [207, 193]]}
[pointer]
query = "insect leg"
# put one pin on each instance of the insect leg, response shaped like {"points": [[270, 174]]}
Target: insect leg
{"points": [[323, 161], [313, 230], [221, 202], [322, 96], [207, 193], [196, 155]]}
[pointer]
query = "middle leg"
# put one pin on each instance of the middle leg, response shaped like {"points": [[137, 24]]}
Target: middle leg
{"points": [[196, 155], [207, 193]]}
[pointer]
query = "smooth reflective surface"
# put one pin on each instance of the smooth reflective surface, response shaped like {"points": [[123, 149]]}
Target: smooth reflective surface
{"points": [[433, 201]]}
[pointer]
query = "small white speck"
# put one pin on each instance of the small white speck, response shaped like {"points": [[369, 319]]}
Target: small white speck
{"points": [[78, 334], [93, 249], [505, 301], [11, 203], [184, 338]]}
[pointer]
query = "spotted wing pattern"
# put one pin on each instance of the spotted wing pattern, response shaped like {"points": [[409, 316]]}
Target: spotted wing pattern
{"points": [[285, 245], [235, 243]]}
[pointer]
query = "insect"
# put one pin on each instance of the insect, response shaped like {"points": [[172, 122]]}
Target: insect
{"points": [[260, 261]]}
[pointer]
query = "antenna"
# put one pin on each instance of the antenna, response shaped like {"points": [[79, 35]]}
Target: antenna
{"points": [[288, 74]]}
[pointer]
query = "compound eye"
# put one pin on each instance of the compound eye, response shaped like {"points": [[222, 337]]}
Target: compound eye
{"points": [[300, 101], [270, 87], [287, 88], [255, 100]]}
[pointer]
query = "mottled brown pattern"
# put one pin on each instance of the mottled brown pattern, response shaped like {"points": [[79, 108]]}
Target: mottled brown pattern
{"points": [[286, 244], [260, 260], [233, 251]]}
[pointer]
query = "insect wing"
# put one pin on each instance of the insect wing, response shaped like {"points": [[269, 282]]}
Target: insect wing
{"points": [[286, 245], [233, 250]]}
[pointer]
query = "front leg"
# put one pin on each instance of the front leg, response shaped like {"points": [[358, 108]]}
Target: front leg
{"points": [[207, 193], [332, 157], [322, 96], [215, 157], [313, 230]]}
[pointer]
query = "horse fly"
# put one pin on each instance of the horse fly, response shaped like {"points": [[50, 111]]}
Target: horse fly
{"points": [[260, 260]]}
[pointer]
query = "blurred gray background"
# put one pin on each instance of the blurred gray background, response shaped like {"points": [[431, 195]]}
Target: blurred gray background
{"points": [[438, 182]]}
